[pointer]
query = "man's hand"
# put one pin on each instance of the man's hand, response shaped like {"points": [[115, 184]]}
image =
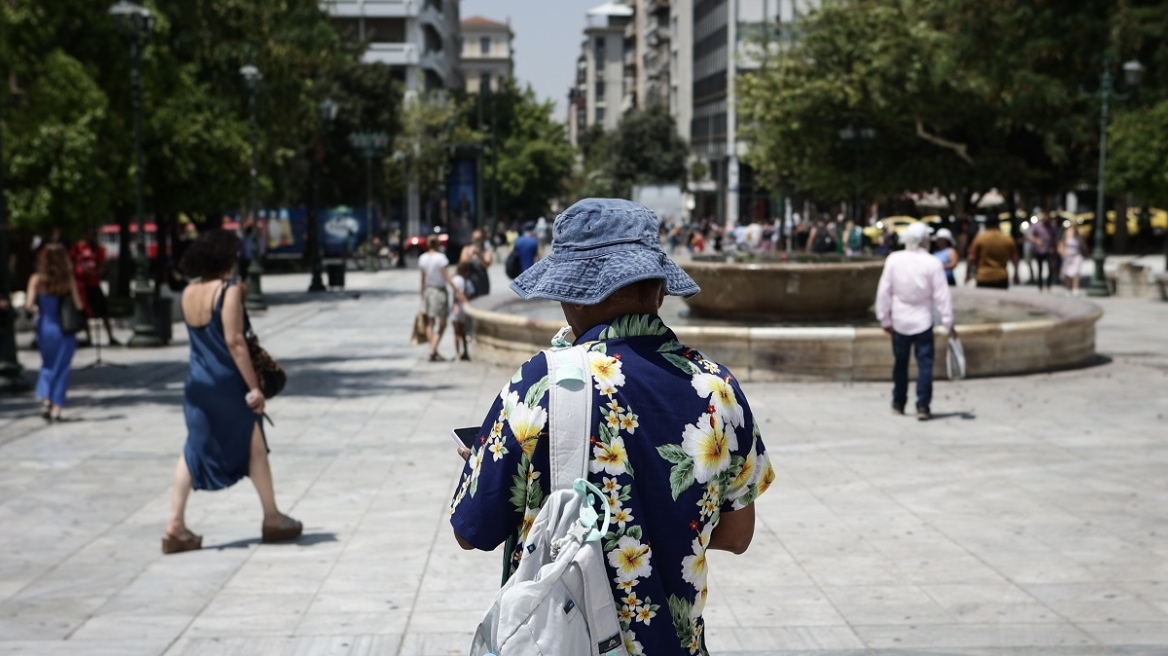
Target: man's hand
{"points": [[888, 330], [464, 453], [953, 332]]}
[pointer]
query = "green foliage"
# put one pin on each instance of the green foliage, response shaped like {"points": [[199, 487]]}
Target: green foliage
{"points": [[53, 150], [961, 93], [369, 98], [67, 111], [645, 148], [534, 156], [1138, 161], [430, 123]]}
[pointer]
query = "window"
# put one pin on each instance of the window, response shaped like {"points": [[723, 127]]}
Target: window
{"points": [[600, 90], [600, 52], [600, 115], [484, 82], [485, 45]]}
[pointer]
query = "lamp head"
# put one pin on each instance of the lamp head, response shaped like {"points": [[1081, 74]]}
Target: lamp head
{"points": [[133, 19], [328, 111], [251, 75], [1133, 72]]}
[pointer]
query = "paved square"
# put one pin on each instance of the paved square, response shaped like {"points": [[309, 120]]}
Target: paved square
{"points": [[1030, 518]]}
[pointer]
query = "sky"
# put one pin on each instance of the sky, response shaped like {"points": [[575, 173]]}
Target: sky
{"points": [[547, 40]]}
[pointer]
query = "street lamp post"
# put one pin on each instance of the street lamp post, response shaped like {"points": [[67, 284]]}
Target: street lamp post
{"points": [[328, 112], [136, 22], [255, 270], [857, 136], [10, 378], [370, 143], [1133, 73]]}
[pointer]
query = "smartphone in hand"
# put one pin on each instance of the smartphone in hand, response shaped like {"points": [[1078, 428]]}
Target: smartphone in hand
{"points": [[465, 436]]}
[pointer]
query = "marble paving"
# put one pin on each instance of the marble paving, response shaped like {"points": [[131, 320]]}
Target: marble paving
{"points": [[1031, 517]]}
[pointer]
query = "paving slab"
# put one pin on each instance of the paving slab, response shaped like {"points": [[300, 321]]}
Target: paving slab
{"points": [[1029, 518]]}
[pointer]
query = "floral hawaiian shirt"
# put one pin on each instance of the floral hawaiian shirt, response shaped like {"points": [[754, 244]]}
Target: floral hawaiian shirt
{"points": [[675, 445]]}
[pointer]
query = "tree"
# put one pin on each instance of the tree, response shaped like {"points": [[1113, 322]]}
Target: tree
{"points": [[534, 156], [421, 150], [646, 149], [962, 94]]}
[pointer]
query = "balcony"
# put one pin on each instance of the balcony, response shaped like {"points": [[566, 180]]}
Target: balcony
{"points": [[393, 54], [372, 8]]}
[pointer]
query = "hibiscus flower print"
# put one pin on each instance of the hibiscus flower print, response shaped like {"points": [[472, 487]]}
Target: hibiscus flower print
{"points": [[709, 444], [630, 559], [526, 425], [631, 645], [609, 458], [693, 568], [529, 516], [606, 371], [721, 395]]}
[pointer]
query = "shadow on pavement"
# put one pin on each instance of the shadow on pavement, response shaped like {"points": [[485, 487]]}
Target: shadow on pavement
{"points": [[305, 540], [969, 416], [294, 298]]}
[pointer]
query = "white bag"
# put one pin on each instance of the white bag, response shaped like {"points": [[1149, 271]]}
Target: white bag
{"points": [[558, 601], [955, 362]]}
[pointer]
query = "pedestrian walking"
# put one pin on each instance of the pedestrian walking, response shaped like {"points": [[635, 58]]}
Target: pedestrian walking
{"points": [[435, 297], [911, 286], [463, 288], [49, 290], [990, 254], [1042, 235], [1070, 249], [946, 254], [222, 402], [664, 411], [527, 246], [479, 254], [853, 239], [89, 262]]}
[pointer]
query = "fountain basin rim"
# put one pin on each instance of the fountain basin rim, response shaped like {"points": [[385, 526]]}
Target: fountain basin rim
{"points": [[1072, 311]]}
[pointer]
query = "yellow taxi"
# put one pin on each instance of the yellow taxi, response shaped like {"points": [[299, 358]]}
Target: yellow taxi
{"points": [[1158, 220], [875, 233]]}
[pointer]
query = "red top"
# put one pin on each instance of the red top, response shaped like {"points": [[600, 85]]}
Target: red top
{"points": [[87, 263]]}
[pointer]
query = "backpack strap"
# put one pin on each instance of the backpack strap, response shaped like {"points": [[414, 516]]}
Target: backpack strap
{"points": [[569, 415]]}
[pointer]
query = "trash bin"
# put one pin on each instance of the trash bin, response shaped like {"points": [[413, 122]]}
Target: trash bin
{"points": [[336, 273], [163, 326]]}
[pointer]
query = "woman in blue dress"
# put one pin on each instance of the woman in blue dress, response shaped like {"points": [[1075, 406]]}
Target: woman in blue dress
{"points": [[946, 254], [222, 402], [52, 285]]}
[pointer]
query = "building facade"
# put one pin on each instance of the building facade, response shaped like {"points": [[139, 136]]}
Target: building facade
{"points": [[713, 42], [418, 38], [487, 53], [598, 95]]}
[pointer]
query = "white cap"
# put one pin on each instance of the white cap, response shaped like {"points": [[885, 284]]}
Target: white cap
{"points": [[944, 233], [915, 235]]}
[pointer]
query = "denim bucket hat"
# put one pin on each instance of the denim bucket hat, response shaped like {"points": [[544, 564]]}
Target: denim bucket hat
{"points": [[598, 246]]}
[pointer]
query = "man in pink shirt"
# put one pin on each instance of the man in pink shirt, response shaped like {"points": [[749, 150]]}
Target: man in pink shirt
{"points": [[911, 286]]}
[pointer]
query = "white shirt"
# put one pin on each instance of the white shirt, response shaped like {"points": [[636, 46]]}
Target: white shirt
{"points": [[432, 263], [912, 284]]}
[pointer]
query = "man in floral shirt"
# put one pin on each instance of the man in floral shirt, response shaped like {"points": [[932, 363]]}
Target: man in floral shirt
{"points": [[675, 447]]}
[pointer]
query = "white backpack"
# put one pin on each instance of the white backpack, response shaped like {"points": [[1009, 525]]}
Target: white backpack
{"points": [[558, 601]]}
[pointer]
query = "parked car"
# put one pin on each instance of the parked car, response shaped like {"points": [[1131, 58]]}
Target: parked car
{"points": [[874, 233], [419, 244]]}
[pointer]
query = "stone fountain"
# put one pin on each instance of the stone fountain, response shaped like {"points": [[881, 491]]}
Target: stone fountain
{"points": [[812, 320]]}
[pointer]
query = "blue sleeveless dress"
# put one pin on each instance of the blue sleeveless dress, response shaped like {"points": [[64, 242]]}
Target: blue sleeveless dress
{"points": [[56, 349], [219, 423]]}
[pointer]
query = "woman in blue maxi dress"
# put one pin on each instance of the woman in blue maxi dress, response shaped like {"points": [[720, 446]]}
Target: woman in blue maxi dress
{"points": [[222, 403], [51, 286]]}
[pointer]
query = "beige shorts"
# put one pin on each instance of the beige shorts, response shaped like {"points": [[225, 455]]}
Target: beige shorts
{"points": [[434, 302]]}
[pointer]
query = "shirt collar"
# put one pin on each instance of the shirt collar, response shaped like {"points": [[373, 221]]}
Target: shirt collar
{"points": [[627, 326]]}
